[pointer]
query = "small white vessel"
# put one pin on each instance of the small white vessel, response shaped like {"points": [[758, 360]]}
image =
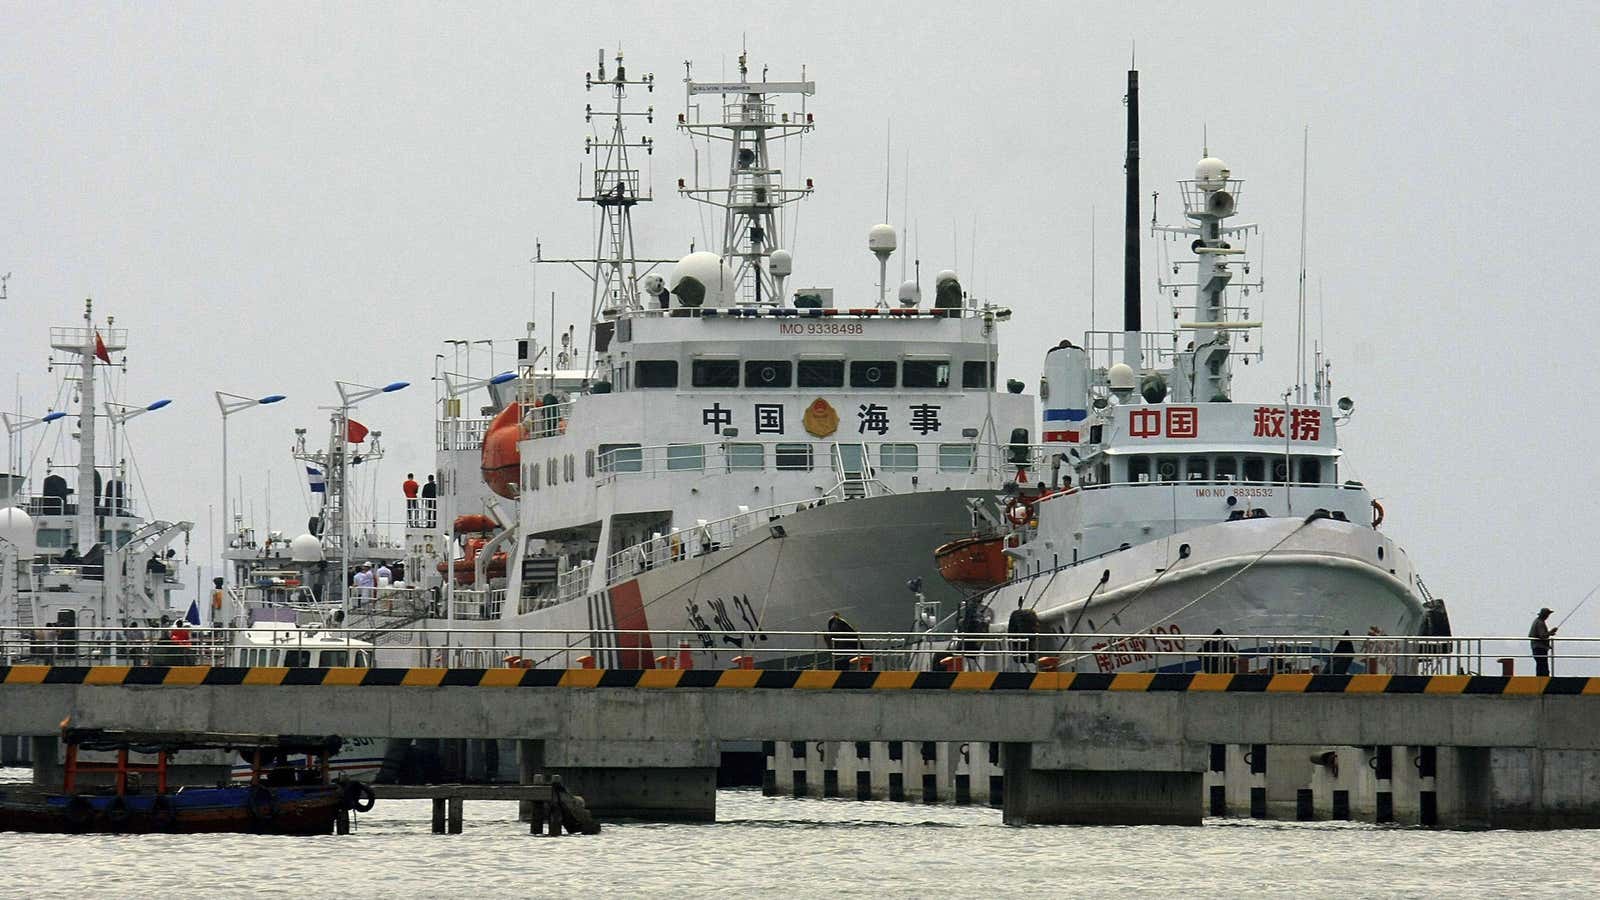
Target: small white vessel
{"points": [[1175, 511]]}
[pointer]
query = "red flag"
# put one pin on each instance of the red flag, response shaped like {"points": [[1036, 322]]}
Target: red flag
{"points": [[355, 432], [100, 349]]}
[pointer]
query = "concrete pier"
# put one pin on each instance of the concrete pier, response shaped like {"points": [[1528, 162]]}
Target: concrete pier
{"points": [[1456, 751]]}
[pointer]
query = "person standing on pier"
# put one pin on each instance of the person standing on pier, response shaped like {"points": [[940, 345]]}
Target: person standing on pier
{"points": [[1539, 639], [409, 488], [842, 640]]}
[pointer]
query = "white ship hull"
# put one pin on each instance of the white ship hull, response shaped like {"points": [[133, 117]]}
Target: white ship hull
{"points": [[1268, 577], [853, 557]]}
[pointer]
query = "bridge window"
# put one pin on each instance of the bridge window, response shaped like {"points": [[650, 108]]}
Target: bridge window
{"points": [[686, 457], [768, 374], [715, 373], [52, 537], [1309, 469], [793, 457], [872, 374], [1195, 468], [1255, 469], [1138, 468], [296, 658], [897, 457], [746, 457], [822, 373], [919, 373], [977, 374], [1167, 468], [956, 457], [620, 458], [1227, 468], [533, 476], [656, 373]]}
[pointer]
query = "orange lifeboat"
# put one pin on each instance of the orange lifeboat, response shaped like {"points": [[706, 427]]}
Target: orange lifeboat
{"points": [[466, 563], [476, 522], [973, 561], [501, 460]]}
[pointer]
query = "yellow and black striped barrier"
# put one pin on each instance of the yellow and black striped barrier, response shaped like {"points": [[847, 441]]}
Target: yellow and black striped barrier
{"points": [[767, 679]]}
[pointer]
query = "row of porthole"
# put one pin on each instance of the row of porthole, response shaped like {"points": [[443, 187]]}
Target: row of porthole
{"points": [[568, 470]]}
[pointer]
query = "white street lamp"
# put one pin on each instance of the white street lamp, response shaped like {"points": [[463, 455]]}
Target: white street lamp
{"points": [[456, 386], [350, 394], [230, 404]]}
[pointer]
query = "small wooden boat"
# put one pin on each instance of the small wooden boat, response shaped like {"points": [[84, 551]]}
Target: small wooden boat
{"points": [[280, 798], [973, 561]]}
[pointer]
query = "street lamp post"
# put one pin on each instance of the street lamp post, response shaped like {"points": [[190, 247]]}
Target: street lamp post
{"points": [[350, 394], [15, 424], [230, 404], [119, 414], [457, 386]]}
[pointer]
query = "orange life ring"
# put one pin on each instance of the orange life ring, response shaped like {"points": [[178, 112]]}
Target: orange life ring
{"points": [[1019, 511], [1377, 514]]}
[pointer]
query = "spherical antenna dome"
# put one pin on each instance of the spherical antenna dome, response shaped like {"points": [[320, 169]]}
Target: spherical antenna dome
{"points": [[305, 549], [781, 263], [946, 275], [702, 279], [1211, 174], [16, 528], [882, 240], [1120, 376], [910, 294], [653, 284]]}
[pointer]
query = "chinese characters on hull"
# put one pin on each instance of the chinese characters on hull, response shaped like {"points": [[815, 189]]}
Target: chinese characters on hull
{"points": [[872, 418], [1183, 422]]}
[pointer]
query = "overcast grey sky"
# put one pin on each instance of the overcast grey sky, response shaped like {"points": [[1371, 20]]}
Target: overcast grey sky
{"points": [[274, 196]]}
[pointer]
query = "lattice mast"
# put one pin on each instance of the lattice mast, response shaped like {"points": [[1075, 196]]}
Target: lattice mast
{"points": [[750, 122]]}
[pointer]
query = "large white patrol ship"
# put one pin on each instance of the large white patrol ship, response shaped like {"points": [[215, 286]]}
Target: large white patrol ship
{"points": [[727, 456], [1177, 511], [76, 550]]}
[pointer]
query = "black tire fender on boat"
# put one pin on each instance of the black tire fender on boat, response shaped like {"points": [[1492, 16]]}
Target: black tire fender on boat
{"points": [[118, 814], [263, 806], [79, 813], [163, 817], [359, 797]]}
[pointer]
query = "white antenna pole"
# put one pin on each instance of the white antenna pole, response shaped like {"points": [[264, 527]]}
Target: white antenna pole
{"points": [[1091, 270], [1300, 339], [888, 145]]}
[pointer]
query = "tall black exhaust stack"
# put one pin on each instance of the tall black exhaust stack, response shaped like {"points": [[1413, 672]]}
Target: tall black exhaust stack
{"points": [[1131, 304]]}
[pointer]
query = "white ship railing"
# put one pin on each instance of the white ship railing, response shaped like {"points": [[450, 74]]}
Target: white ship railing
{"points": [[702, 538], [1102, 654], [547, 420], [460, 434]]}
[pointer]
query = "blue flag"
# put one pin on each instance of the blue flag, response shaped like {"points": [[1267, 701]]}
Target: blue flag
{"points": [[318, 484]]}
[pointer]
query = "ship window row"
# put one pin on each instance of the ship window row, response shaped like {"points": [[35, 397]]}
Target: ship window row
{"points": [[853, 460], [1219, 467], [813, 373], [262, 656]]}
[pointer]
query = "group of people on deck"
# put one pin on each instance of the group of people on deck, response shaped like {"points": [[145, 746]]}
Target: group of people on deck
{"points": [[426, 513]]}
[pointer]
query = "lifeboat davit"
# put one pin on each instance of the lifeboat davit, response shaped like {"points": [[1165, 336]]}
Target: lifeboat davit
{"points": [[973, 561], [501, 460], [465, 564]]}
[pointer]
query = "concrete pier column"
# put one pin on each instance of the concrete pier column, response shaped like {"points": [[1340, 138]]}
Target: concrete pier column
{"points": [[1518, 787], [657, 781], [1041, 791], [47, 768]]}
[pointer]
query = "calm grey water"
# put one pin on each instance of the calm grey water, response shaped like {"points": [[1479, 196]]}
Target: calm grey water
{"points": [[803, 848]]}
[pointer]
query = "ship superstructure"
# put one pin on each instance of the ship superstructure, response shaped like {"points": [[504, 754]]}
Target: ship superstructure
{"points": [[78, 550], [732, 455], [1174, 510]]}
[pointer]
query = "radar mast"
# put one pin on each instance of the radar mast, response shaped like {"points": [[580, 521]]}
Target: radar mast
{"points": [[748, 119]]}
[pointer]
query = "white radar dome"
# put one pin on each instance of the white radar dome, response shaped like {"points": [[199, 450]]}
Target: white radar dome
{"points": [[1120, 377], [946, 275], [305, 549], [702, 279], [910, 294], [882, 240], [1211, 174], [16, 528], [781, 263]]}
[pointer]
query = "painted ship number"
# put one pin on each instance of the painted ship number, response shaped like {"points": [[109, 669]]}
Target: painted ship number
{"points": [[815, 329]]}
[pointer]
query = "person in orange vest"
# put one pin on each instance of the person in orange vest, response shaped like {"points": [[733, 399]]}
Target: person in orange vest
{"points": [[410, 488]]}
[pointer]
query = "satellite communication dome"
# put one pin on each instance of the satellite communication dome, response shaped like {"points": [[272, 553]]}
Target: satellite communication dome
{"points": [[1211, 174], [781, 263], [1120, 377], [910, 294], [16, 528], [305, 549], [702, 279], [882, 240], [946, 275]]}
